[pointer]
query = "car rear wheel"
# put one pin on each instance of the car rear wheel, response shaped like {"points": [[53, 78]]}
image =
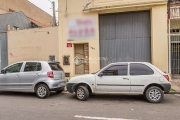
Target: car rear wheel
{"points": [[82, 93], [154, 94], [42, 91]]}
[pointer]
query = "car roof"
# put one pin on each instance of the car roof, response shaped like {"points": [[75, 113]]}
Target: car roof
{"points": [[40, 61], [126, 63]]}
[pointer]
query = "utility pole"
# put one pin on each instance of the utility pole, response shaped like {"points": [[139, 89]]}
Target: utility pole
{"points": [[54, 14]]}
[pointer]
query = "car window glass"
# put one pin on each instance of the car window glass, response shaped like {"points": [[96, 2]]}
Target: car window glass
{"points": [[14, 68], [55, 67], [118, 70], [140, 69], [32, 66]]}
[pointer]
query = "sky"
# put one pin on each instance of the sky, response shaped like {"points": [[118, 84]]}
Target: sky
{"points": [[45, 5]]}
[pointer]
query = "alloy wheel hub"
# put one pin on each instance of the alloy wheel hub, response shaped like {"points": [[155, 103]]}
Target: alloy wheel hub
{"points": [[80, 93], [41, 91], [155, 94]]}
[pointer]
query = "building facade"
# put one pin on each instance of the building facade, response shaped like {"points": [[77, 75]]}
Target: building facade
{"points": [[95, 33], [174, 37], [10, 21], [18, 15], [33, 44], [34, 14]]}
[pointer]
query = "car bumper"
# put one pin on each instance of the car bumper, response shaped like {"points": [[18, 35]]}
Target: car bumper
{"points": [[71, 87], [166, 87], [56, 84], [57, 89]]}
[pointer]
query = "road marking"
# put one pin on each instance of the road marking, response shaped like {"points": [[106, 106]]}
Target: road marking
{"points": [[177, 95], [100, 118]]}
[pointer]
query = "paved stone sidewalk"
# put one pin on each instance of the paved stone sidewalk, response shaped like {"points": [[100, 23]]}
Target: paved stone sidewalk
{"points": [[175, 84]]}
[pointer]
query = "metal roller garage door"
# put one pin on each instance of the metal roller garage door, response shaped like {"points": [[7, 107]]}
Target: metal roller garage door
{"points": [[125, 37], [3, 50]]}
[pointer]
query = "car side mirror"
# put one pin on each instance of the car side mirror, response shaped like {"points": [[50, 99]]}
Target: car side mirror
{"points": [[3, 72], [100, 74]]}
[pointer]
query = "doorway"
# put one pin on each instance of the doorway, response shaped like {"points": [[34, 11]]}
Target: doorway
{"points": [[81, 58], [175, 56]]}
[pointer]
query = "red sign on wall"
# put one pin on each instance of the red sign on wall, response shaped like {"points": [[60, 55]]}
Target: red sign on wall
{"points": [[69, 45]]}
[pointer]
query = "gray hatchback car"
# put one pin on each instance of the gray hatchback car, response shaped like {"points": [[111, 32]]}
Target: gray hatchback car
{"points": [[33, 76]]}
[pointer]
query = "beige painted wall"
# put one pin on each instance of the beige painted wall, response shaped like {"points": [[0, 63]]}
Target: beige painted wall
{"points": [[32, 44], [159, 37], [29, 9], [75, 10], [2, 11]]}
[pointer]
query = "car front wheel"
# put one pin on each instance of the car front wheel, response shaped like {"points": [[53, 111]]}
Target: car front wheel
{"points": [[154, 94], [42, 91], [82, 93]]}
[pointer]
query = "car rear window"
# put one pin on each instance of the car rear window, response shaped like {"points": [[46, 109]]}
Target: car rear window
{"points": [[140, 69], [55, 66]]}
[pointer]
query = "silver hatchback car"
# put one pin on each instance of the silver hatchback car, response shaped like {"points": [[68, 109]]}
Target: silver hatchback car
{"points": [[33, 76]]}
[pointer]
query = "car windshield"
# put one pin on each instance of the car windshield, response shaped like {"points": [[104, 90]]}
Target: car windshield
{"points": [[98, 70], [95, 72]]}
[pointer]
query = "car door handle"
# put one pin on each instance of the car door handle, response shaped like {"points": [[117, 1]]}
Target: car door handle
{"points": [[125, 79]]}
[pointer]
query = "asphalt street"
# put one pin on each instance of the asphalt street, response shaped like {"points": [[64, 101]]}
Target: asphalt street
{"points": [[64, 106]]}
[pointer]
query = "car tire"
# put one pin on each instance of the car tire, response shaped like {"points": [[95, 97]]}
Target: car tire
{"points": [[154, 94], [82, 93], [42, 91]]}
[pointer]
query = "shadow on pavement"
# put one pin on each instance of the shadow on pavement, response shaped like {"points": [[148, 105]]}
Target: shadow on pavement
{"points": [[108, 97], [18, 94], [27, 94], [92, 98], [123, 98], [119, 98]]}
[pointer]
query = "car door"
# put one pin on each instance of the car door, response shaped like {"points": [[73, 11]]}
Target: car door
{"points": [[31, 72], [2, 81], [10, 77], [140, 75], [113, 79]]}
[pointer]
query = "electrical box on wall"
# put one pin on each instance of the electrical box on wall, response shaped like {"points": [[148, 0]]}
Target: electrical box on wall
{"points": [[66, 60], [67, 74]]}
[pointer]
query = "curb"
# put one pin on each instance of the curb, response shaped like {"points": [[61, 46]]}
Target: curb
{"points": [[174, 93]]}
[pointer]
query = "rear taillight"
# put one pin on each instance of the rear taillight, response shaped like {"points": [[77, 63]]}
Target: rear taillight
{"points": [[50, 74], [167, 77]]}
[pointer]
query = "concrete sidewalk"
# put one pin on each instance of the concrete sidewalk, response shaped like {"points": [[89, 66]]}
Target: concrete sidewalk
{"points": [[175, 84]]}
